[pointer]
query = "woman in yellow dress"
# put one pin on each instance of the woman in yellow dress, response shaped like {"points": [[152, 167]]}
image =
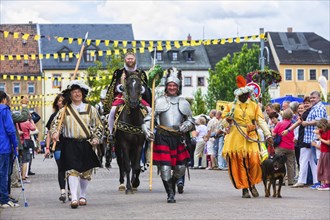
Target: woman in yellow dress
{"points": [[240, 149]]}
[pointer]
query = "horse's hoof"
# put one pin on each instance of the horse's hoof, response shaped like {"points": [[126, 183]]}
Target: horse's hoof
{"points": [[129, 191], [134, 189], [121, 187]]}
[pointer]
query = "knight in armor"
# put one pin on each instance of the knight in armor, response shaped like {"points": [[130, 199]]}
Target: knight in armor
{"points": [[114, 96], [174, 117]]}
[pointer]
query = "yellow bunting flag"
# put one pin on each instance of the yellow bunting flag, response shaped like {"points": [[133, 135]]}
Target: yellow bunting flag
{"points": [[36, 37], [41, 56], [2, 57], [143, 43], [25, 36], [19, 77], [106, 42], [47, 55], [238, 40], [55, 55], [117, 52], [151, 43], [39, 78], [134, 43], [4, 76], [18, 57], [70, 40], [25, 78], [10, 57], [97, 42], [124, 51], [5, 34], [100, 52], [141, 49], [262, 36], [79, 40], [150, 49], [26, 57], [176, 44], [230, 40], [33, 56], [108, 52], [15, 35], [88, 41], [70, 54], [115, 43], [124, 43], [60, 39], [63, 55]]}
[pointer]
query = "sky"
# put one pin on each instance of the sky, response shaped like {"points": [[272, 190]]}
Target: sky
{"points": [[174, 20]]}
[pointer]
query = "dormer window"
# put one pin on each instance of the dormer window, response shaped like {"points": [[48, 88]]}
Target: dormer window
{"points": [[63, 55], [159, 56], [188, 54], [173, 55], [91, 54]]}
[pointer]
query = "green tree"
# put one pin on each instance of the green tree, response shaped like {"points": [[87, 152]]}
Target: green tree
{"points": [[222, 80], [100, 75], [199, 103]]}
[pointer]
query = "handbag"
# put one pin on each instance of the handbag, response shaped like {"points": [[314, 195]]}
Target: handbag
{"points": [[278, 138], [28, 143]]}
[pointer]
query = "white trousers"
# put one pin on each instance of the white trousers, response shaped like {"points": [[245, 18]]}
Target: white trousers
{"points": [[306, 157]]}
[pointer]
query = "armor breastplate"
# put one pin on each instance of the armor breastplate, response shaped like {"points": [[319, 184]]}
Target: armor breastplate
{"points": [[168, 110]]}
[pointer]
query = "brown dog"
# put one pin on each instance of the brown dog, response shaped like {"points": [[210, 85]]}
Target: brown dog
{"points": [[273, 169]]}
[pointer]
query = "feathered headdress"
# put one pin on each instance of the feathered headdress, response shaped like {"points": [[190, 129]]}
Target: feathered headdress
{"points": [[241, 85]]}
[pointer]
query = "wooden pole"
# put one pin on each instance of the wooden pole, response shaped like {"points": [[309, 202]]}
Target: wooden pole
{"points": [[152, 126], [72, 78]]}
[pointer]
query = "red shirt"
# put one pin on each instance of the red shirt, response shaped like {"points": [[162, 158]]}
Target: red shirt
{"points": [[325, 136], [287, 140]]}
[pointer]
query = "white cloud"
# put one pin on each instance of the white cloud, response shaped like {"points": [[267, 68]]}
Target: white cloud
{"points": [[170, 20]]}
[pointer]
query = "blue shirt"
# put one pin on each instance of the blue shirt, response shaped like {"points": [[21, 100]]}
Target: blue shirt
{"points": [[317, 112]]}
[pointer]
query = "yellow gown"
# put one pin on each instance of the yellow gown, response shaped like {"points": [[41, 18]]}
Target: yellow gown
{"points": [[241, 154]]}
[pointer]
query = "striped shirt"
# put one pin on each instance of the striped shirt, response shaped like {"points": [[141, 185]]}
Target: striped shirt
{"points": [[71, 128], [317, 112]]}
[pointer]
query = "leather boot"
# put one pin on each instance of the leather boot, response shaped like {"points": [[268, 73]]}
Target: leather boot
{"points": [[245, 193], [169, 190], [254, 191]]}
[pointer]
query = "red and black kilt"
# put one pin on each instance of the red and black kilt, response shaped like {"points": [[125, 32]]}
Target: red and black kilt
{"points": [[78, 155], [168, 149]]}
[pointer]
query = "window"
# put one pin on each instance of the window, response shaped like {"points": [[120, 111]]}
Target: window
{"points": [[190, 56], [31, 88], [16, 88], [288, 74], [175, 56], [57, 81], [159, 56], [90, 55], [2, 87], [301, 96], [64, 55], [300, 75], [200, 81], [325, 73], [187, 81], [312, 74]]}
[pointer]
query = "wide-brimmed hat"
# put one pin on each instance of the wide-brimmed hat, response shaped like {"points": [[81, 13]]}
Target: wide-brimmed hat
{"points": [[76, 84]]}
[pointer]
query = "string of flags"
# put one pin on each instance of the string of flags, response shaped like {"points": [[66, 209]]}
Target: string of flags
{"points": [[139, 46], [39, 78]]}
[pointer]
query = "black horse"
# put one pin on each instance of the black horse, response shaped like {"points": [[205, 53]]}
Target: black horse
{"points": [[129, 138]]}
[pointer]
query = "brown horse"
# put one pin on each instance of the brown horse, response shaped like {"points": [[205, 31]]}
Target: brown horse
{"points": [[129, 138]]}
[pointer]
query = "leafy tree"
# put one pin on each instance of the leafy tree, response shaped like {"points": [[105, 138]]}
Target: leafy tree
{"points": [[101, 75], [199, 103], [222, 80]]}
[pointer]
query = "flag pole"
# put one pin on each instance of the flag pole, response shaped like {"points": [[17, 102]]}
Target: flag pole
{"points": [[72, 78]]}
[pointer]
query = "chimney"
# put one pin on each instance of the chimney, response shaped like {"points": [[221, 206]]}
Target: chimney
{"points": [[189, 37], [290, 29]]}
